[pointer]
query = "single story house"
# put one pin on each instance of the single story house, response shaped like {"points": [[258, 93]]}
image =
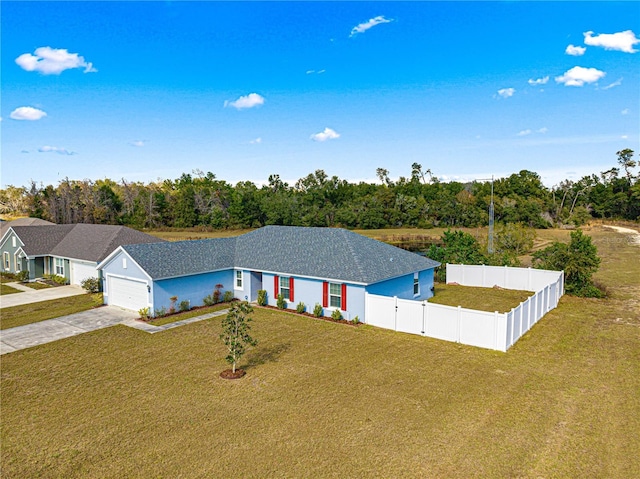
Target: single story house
{"points": [[72, 251], [5, 225], [332, 267]]}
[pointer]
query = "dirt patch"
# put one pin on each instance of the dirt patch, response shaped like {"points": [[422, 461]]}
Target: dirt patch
{"points": [[230, 374], [633, 235]]}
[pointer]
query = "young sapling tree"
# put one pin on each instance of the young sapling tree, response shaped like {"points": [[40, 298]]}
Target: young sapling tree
{"points": [[235, 332]]}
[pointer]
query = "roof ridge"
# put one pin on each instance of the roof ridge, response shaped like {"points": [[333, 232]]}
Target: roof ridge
{"points": [[346, 234]]}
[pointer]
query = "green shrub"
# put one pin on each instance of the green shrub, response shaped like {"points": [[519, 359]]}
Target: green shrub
{"points": [[355, 320], [281, 303], [91, 285], [23, 276], [144, 313], [227, 297], [318, 310], [300, 308], [208, 300], [172, 306], [160, 313], [57, 279], [336, 315], [262, 297], [7, 275], [184, 305]]}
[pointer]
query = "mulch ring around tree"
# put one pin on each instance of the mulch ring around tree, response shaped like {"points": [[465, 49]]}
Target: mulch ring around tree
{"points": [[229, 374]]}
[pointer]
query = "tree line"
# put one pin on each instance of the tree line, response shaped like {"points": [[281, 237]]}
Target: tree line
{"points": [[417, 200]]}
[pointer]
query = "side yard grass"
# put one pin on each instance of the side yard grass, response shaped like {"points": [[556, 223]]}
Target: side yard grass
{"points": [[483, 299], [35, 312], [187, 314], [6, 289]]}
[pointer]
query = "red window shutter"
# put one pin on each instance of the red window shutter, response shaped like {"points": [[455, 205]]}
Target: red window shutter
{"points": [[291, 290], [276, 287], [325, 294], [344, 297]]}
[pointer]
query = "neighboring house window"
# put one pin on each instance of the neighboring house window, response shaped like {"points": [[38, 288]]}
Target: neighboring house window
{"points": [[5, 261], [13, 241], [124, 263], [59, 266], [18, 262], [285, 287], [238, 279], [416, 284]]}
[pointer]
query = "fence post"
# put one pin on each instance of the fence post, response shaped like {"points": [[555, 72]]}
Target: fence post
{"points": [[458, 324], [425, 311], [484, 276], [529, 280], [495, 330], [395, 313]]}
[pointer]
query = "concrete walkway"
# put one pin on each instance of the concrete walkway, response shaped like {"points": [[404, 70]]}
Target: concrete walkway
{"points": [[30, 295], [29, 335]]}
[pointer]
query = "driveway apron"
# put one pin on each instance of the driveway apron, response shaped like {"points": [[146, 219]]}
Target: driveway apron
{"points": [[28, 295], [30, 335]]}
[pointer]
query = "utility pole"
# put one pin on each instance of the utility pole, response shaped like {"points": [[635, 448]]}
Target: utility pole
{"points": [[490, 249]]}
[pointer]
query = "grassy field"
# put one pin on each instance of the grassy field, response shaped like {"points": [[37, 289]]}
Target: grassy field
{"points": [[34, 312], [187, 314], [326, 400], [38, 285], [484, 299], [6, 289]]}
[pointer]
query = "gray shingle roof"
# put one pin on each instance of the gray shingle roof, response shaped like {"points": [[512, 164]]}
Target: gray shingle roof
{"points": [[331, 253], [87, 242], [22, 222], [181, 258]]}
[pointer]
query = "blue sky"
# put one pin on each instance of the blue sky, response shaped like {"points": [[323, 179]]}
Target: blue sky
{"points": [[149, 90]]}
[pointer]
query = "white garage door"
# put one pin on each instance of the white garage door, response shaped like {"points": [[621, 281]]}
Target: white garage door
{"points": [[80, 271], [127, 293]]}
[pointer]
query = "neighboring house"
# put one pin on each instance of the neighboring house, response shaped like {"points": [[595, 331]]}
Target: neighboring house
{"points": [[72, 251], [332, 267], [22, 222]]}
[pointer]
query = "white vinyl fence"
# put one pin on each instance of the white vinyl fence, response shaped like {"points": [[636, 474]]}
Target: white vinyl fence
{"points": [[467, 326]]}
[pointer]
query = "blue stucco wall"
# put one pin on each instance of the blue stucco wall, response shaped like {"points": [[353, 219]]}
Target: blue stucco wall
{"points": [[248, 291], [402, 287], [309, 291], [192, 288]]}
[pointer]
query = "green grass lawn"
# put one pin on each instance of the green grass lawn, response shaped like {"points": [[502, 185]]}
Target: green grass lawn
{"points": [[6, 289], [38, 285], [187, 314], [484, 299], [34, 312], [327, 401]]}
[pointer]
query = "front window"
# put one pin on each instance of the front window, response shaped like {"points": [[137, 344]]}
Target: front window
{"points": [[285, 288], [335, 295], [5, 261], [238, 279], [59, 266], [416, 285], [18, 262]]}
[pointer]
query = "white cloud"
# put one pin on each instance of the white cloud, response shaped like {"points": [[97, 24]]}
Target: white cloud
{"points": [[575, 51], [614, 84], [363, 27], [257, 141], [326, 134], [528, 131], [53, 61], [525, 132], [625, 111], [55, 149], [248, 101], [621, 41], [543, 130], [27, 113], [506, 92], [539, 81], [138, 143], [624, 137], [578, 76]]}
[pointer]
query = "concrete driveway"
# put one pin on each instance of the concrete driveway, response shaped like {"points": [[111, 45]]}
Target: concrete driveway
{"points": [[50, 330], [30, 295]]}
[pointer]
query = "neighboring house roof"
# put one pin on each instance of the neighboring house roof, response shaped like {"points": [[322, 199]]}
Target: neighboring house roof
{"points": [[82, 241], [22, 222], [331, 253]]}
